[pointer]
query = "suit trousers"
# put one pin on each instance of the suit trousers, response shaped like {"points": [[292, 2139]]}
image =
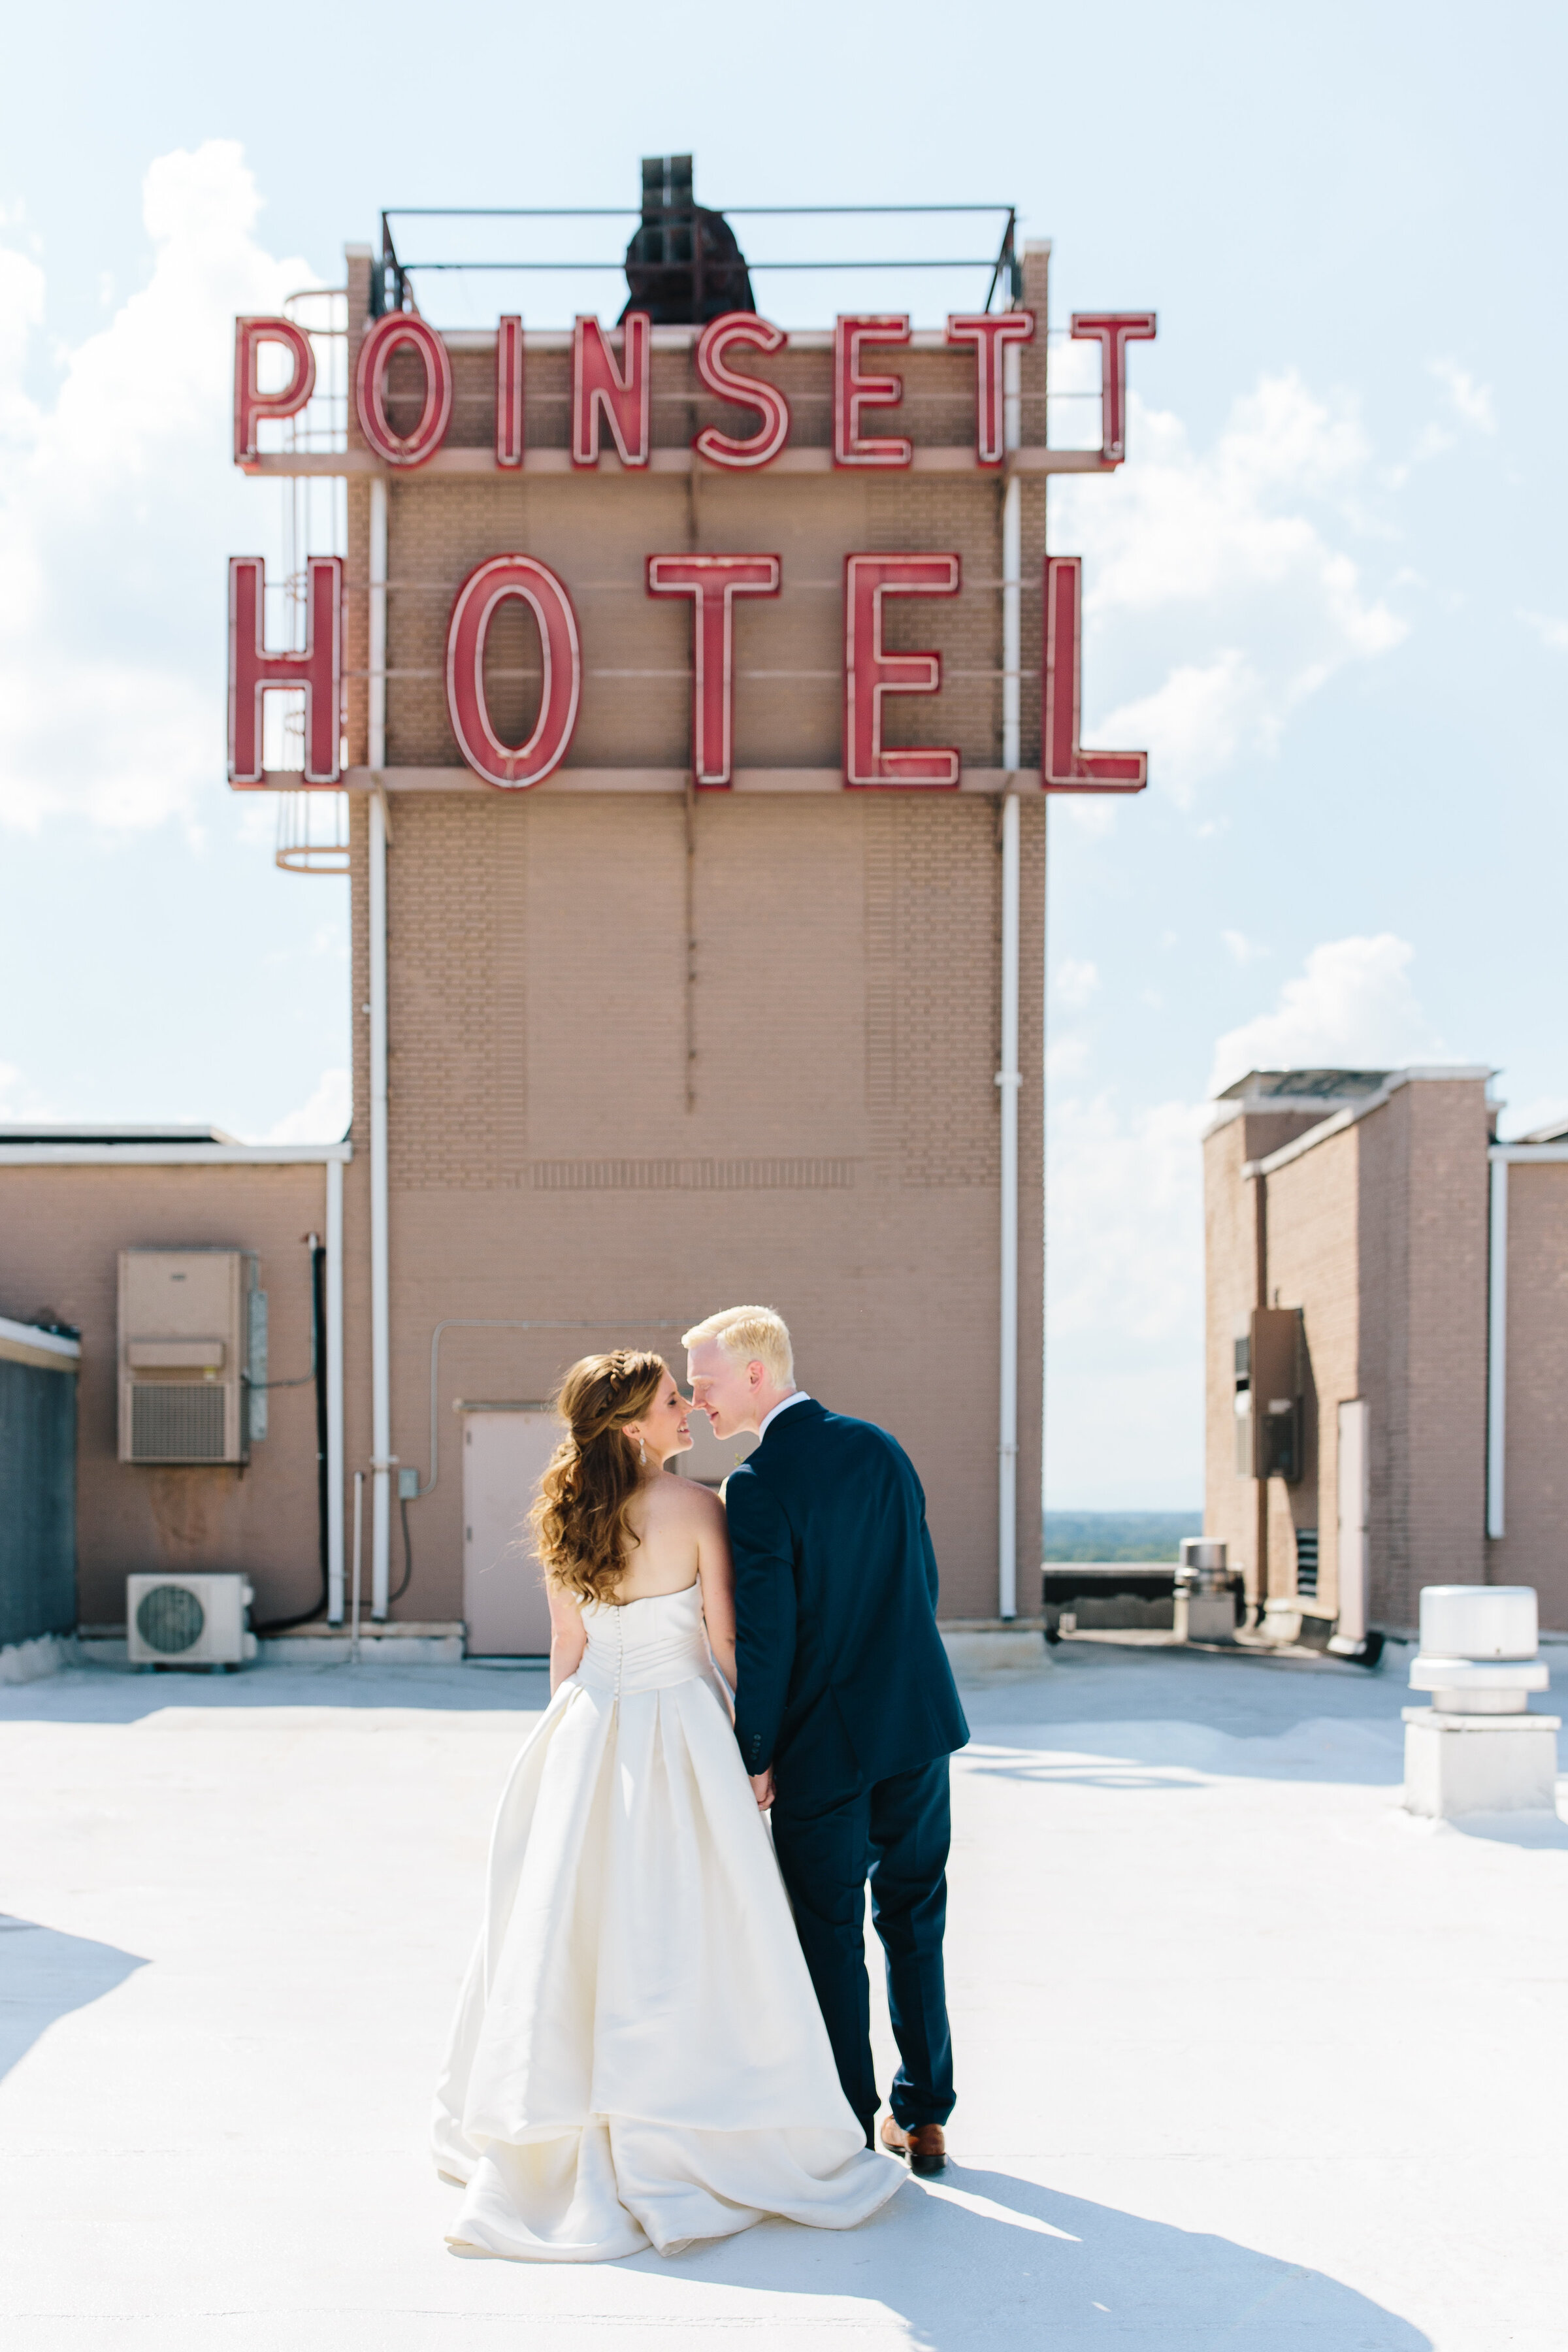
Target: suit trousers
{"points": [[898, 1832]]}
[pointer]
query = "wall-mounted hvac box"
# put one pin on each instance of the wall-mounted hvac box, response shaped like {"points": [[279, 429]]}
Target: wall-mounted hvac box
{"points": [[183, 1354]]}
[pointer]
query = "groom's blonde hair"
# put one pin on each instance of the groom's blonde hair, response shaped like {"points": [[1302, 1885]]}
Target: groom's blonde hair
{"points": [[748, 1332]]}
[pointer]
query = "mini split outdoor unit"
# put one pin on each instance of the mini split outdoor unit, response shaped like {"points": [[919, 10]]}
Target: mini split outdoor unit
{"points": [[195, 1619], [185, 1347]]}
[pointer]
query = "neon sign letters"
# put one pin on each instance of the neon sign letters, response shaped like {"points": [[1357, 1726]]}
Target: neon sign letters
{"points": [[611, 408]]}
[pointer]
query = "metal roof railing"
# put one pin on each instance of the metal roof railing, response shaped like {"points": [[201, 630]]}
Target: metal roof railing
{"points": [[398, 270]]}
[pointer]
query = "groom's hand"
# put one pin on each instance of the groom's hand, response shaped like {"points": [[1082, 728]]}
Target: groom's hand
{"points": [[763, 1789]]}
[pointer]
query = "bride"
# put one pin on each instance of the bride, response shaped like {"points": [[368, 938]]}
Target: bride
{"points": [[638, 2055]]}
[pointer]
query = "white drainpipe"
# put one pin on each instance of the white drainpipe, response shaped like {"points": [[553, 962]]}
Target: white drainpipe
{"points": [[1497, 1350], [379, 1342], [1008, 1077], [334, 1391], [1009, 1080], [1011, 563]]}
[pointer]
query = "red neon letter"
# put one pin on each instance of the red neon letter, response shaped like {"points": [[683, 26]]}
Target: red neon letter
{"points": [[398, 329], [250, 404], [1064, 768], [478, 601], [869, 672], [1113, 331], [713, 581], [852, 392], [253, 671], [991, 332], [621, 394], [509, 392], [746, 390]]}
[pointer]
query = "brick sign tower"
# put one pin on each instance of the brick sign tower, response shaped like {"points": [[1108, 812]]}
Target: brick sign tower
{"points": [[696, 689]]}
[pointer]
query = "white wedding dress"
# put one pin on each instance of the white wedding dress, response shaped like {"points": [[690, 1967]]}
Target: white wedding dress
{"points": [[638, 2055]]}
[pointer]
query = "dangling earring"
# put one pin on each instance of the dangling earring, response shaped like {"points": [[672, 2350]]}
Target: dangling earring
{"points": [[642, 1451]]}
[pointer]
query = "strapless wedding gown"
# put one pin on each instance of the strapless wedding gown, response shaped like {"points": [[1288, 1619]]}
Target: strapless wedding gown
{"points": [[638, 2055]]}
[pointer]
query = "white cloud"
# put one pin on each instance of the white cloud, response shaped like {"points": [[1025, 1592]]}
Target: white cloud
{"points": [[1076, 983], [21, 314], [1066, 1057], [1214, 586], [1551, 633], [118, 508], [1351, 1007], [1244, 949], [323, 1120], [1197, 721], [1125, 1211], [20, 1100], [1473, 401], [1541, 1110]]}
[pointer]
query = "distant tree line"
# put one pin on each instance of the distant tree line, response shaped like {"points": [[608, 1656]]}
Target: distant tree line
{"points": [[1117, 1535]]}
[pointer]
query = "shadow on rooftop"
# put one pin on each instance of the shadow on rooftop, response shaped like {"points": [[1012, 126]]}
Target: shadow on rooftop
{"points": [[1537, 1832], [984, 2258], [97, 1693], [1176, 1757], [44, 1975]]}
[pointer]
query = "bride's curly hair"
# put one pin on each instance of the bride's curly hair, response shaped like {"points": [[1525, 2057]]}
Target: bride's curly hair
{"points": [[578, 1520]]}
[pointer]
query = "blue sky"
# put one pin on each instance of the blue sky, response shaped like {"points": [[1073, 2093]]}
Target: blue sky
{"points": [[1325, 590]]}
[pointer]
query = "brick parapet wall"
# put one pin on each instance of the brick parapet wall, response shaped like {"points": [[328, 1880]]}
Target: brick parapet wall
{"points": [[1378, 1234], [1314, 1263], [1534, 1548], [61, 1230]]}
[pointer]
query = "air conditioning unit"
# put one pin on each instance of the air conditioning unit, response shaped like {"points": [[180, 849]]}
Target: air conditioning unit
{"points": [[183, 1351], [196, 1620]]}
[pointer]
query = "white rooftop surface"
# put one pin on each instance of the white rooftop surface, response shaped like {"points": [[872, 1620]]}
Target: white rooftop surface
{"points": [[1246, 2057]]}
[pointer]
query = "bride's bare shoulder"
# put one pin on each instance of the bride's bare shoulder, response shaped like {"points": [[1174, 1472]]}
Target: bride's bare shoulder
{"points": [[685, 1500]]}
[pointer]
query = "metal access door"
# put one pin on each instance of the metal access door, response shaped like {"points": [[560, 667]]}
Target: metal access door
{"points": [[504, 1606]]}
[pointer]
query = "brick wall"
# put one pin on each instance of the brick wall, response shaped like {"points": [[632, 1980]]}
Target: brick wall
{"points": [[61, 1230], [1230, 1291], [840, 1158], [579, 1129], [1229, 1295], [1447, 1359], [1534, 1548], [1314, 1264], [1378, 1234]]}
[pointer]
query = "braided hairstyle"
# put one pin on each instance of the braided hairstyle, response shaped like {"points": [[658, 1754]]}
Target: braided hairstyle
{"points": [[580, 1519]]}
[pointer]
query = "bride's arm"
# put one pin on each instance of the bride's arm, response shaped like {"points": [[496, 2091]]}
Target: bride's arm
{"points": [[717, 1576], [568, 1637]]}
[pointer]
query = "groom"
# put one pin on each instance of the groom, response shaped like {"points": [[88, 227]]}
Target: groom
{"points": [[844, 1709]]}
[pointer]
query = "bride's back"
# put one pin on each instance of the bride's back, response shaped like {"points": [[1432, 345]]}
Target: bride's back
{"points": [[668, 1516]]}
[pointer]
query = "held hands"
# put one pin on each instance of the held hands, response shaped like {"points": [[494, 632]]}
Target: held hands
{"points": [[763, 1789]]}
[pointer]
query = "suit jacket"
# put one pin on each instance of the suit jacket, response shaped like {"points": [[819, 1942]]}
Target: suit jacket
{"points": [[842, 1677]]}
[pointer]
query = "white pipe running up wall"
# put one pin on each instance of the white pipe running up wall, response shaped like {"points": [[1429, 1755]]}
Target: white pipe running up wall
{"points": [[1012, 622], [1496, 1352], [1009, 1079], [1012, 566], [380, 1303], [375, 748], [334, 1391]]}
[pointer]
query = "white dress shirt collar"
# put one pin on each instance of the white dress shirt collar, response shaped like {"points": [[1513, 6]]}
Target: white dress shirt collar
{"points": [[797, 1396]]}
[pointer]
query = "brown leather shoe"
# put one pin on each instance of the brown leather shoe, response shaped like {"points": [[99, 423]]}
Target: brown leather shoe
{"points": [[925, 2147]]}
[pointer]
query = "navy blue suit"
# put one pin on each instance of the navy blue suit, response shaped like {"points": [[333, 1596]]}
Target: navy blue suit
{"points": [[845, 1689]]}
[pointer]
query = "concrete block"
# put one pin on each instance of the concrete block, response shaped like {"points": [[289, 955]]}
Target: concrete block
{"points": [[336, 1648], [1457, 1764], [1205, 1616], [976, 1650]]}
